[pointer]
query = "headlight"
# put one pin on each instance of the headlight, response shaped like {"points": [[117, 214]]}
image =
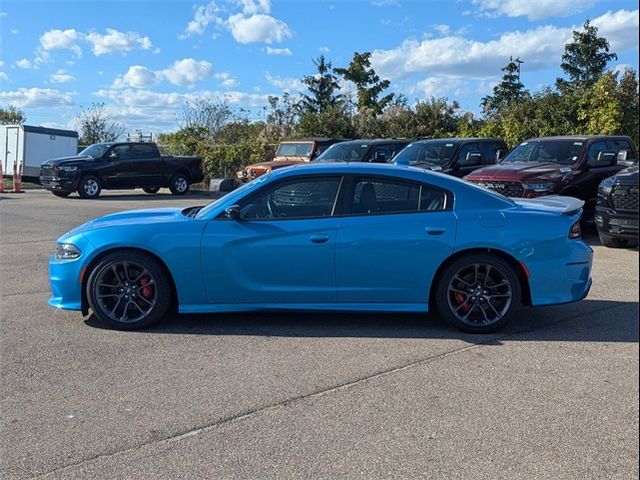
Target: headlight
{"points": [[605, 188], [67, 251], [538, 187], [67, 169]]}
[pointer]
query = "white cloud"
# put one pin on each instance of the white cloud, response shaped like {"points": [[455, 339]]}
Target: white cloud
{"points": [[440, 86], [442, 29], [1, 63], [258, 29], [251, 7], [282, 52], [137, 77], [621, 68], [620, 28], [4, 76], [24, 63], [61, 40], [458, 56], [324, 49], [61, 76], [533, 10], [115, 41], [226, 80], [187, 72], [38, 98], [284, 83], [202, 17], [385, 3], [15, 31]]}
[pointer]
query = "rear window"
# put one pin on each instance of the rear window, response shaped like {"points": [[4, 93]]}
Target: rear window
{"points": [[144, 151]]}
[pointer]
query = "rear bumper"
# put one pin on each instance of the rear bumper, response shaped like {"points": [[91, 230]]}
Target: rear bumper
{"points": [[617, 225], [571, 282]]}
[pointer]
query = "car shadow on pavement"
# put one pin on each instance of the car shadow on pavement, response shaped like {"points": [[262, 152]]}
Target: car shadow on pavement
{"points": [[587, 321], [208, 196]]}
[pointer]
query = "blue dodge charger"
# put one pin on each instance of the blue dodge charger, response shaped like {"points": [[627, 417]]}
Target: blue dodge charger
{"points": [[330, 237]]}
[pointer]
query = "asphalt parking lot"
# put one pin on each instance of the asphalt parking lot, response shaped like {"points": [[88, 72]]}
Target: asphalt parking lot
{"points": [[555, 395]]}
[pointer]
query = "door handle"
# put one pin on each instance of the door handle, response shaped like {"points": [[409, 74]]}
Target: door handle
{"points": [[319, 238], [435, 230]]}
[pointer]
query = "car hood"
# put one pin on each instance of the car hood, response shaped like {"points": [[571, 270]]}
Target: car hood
{"points": [[521, 171], [551, 203], [276, 164], [74, 160], [145, 217], [628, 176]]}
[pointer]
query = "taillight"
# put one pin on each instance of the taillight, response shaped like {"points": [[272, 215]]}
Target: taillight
{"points": [[576, 232]]}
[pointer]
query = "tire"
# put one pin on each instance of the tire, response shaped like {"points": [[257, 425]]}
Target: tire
{"points": [[151, 190], [478, 293], [144, 286], [612, 242], [89, 187], [179, 184], [61, 194]]}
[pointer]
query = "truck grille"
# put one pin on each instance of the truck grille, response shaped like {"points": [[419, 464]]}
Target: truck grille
{"points": [[625, 198], [508, 189], [47, 172]]}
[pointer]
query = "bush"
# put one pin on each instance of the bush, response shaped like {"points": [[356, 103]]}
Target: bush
{"points": [[223, 161]]}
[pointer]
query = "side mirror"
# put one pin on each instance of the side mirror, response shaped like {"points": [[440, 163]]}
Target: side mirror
{"points": [[472, 158], [233, 212], [379, 157], [498, 155], [607, 158], [113, 156]]}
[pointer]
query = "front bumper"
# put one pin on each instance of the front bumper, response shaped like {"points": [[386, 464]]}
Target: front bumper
{"points": [[616, 224], [66, 276], [59, 184]]}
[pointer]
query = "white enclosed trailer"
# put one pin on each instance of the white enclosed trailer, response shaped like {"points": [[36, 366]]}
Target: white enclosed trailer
{"points": [[30, 146]]}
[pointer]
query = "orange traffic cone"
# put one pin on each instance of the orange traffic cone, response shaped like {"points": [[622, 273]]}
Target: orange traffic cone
{"points": [[17, 178]]}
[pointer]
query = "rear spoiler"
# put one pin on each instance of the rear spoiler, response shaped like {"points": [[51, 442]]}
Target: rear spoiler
{"points": [[553, 203]]}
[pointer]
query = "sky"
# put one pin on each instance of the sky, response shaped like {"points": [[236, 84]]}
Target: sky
{"points": [[144, 59]]}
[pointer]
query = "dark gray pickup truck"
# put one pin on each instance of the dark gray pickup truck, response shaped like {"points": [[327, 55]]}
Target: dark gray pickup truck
{"points": [[119, 165]]}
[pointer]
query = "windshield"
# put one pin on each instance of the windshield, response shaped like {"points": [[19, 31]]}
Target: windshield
{"points": [[236, 194], [95, 151], [294, 150], [344, 152], [563, 152], [432, 152]]}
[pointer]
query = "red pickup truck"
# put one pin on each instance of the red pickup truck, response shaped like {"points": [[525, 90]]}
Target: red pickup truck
{"points": [[568, 165]]}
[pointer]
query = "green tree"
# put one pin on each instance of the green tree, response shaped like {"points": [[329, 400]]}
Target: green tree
{"points": [[186, 141], [334, 121], [97, 126], [368, 84], [323, 88], [281, 117], [12, 116], [628, 94], [585, 59], [206, 113], [600, 109], [436, 117], [510, 89]]}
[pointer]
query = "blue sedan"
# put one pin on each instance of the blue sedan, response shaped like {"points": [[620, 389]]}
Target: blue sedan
{"points": [[330, 237]]}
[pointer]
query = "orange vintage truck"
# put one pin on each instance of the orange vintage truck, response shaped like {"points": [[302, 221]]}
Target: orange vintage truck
{"points": [[288, 153]]}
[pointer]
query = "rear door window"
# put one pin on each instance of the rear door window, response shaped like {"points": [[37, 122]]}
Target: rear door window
{"points": [[623, 147], [490, 151], [141, 152]]}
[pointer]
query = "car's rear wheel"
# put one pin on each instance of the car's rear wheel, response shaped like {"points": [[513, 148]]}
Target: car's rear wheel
{"points": [[61, 194], [179, 184], [151, 190], [612, 242], [89, 187], [128, 290], [478, 293]]}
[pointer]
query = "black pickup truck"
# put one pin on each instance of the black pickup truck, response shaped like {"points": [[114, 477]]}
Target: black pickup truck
{"points": [[119, 165]]}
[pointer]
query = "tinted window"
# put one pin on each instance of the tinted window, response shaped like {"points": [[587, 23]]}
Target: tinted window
{"points": [[377, 195], [466, 150], [490, 151], [623, 147], [143, 151], [122, 151], [594, 152], [308, 198], [431, 152], [345, 152], [386, 149]]}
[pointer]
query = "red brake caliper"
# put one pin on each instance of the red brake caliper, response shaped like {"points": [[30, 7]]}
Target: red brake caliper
{"points": [[460, 299], [146, 292]]}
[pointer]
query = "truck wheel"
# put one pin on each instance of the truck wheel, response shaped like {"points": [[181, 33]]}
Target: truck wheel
{"points": [[612, 242], [179, 184], [89, 187], [478, 293], [61, 194], [151, 190]]}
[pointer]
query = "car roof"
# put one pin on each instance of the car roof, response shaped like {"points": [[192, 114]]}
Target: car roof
{"points": [[575, 137], [374, 141], [459, 139]]}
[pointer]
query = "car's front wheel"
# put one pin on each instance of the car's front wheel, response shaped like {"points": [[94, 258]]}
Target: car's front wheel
{"points": [[179, 184], [478, 293], [128, 290], [89, 187]]}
